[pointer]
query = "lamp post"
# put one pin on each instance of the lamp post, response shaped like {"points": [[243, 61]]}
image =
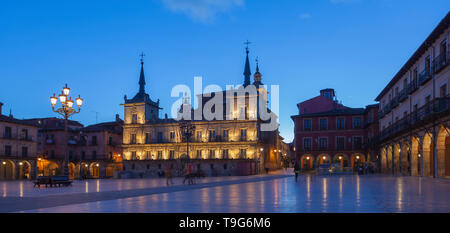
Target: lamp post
{"points": [[187, 130], [66, 110]]}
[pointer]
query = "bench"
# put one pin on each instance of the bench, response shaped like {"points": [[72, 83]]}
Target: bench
{"points": [[53, 181]]}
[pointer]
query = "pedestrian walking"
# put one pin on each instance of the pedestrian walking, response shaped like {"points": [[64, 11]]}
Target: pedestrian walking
{"points": [[296, 170]]}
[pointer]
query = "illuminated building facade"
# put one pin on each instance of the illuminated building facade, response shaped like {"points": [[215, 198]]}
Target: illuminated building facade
{"points": [[414, 111], [18, 146], [235, 146]]}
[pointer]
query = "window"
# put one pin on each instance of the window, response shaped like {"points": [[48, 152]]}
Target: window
{"points": [[199, 136], [307, 144], [134, 119], [323, 143], [83, 154], [94, 141], [307, 125], [8, 150], [211, 154], [243, 154], [427, 64], [172, 154], [357, 143], [405, 84], [225, 134], [52, 154], [323, 124], [24, 151], [147, 138], [94, 154], [340, 143], [357, 122], [212, 135], [199, 154], [172, 135], [243, 134], [8, 132], [160, 137], [148, 155], [225, 154], [133, 139], [133, 155], [110, 141], [25, 134], [160, 155], [340, 123], [443, 91]]}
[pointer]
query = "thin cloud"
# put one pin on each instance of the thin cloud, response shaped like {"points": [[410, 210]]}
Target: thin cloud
{"points": [[202, 10], [305, 16]]}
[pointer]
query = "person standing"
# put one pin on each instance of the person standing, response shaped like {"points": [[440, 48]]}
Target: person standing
{"points": [[296, 170], [168, 174]]}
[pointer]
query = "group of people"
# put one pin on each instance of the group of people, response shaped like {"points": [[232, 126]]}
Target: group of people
{"points": [[188, 173]]}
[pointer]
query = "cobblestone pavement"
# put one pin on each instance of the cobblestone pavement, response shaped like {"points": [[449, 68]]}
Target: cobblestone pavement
{"points": [[264, 193]]}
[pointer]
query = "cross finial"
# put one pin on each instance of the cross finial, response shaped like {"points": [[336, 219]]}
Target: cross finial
{"points": [[142, 57], [247, 43], [256, 60]]}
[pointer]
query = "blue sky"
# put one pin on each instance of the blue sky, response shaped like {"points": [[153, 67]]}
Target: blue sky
{"points": [[354, 46]]}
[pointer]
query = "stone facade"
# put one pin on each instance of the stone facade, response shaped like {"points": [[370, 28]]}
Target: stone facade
{"points": [[414, 111], [18, 148], [217, 147]]}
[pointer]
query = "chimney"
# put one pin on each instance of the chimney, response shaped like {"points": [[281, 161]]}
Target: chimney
{"points": [[117, 118], [1, 105], [165, 116]]}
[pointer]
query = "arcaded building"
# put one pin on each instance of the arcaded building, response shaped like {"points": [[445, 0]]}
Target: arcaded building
{"points": [[18, 148], [94, 151], [327, 132], [216, 147], [414, 111]]}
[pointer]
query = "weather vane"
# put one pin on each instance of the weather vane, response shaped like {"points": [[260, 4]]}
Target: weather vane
{"points": [[142, 56], [247, 43]]}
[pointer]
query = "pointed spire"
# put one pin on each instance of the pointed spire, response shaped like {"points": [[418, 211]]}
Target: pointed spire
{"points": [[141, 76], [247, 72], [257, 76]]}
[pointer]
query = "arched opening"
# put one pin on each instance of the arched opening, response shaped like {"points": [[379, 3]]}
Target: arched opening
{"points": [[396, 166], [389, 160], [356, 160], [71, 171], [416, 163], [341, 159], [307, 162], [383, 160], [405, 162], [442, 148], [7, 170], [95, 170], [85, 170], [427, 159], [323, 159], [24, 170]]}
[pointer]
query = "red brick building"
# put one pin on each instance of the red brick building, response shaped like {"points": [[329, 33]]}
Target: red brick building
{"points": [[328, 132]]}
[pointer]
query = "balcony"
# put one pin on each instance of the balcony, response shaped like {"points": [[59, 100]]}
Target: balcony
{"points": [[440, 62], [402, 95], [412, 87], [424, 76], [426, 113]]}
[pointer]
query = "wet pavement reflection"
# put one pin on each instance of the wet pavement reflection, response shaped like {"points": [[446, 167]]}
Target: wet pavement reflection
{"points": [[311, 194]]}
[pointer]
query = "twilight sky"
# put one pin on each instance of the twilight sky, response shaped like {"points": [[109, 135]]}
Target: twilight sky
{"points": [[353, 46]]}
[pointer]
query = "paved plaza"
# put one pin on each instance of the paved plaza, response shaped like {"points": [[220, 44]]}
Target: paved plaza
{"points": [[263, 193]]}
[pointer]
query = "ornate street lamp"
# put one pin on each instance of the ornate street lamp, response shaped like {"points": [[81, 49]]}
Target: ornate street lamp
{"points": [[66, 110], [187, 130]]}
